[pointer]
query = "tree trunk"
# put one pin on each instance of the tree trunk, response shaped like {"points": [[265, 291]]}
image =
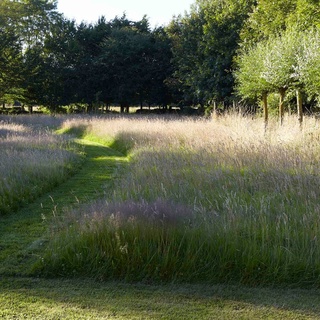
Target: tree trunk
{"points": [[124, 107], [299, 107], [265, 110], [89, 108], [281, 105]]}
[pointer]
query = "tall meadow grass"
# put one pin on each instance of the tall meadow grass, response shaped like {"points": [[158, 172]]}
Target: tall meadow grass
{"points": [[32, 160], [209, 200]]}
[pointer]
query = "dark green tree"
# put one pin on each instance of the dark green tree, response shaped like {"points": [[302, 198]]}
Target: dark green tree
{"points": [[135, 61], [159, 68], [186, 34], [60, 71], [10, 50], [10, 63], [26, 23], [224, 21], [205, 43], [90, 74]]}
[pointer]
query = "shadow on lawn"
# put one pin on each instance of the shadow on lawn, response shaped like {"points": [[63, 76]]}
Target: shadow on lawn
{"points": [[85, 297]]}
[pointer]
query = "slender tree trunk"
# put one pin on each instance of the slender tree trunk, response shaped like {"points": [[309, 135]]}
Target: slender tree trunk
{"points": [[214, 113], [124, 107], [265, 110], [89, 108], [281, 105], [299, 107], [3, 105]]}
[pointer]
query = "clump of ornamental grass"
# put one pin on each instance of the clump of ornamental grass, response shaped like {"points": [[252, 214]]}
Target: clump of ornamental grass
{"points": [[32, 161], [129, 240], [250, 197]]}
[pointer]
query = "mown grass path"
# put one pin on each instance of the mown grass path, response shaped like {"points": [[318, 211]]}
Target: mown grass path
{"points": [[23, 234]]}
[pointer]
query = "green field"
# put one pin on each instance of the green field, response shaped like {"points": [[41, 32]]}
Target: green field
{"points": [[201, 219]]}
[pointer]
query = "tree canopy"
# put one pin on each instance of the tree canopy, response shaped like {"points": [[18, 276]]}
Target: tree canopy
{"points": [[219, 52], [280, 51]]}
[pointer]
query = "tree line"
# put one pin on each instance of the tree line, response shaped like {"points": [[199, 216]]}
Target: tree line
{"points": [[219, 54]]}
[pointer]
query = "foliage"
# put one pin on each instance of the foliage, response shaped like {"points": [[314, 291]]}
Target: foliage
{"points": [[185, 34], [249, 74], [135, 63], [10, 54], [60, 57], [286, 62], [203, 64], [281, 26], [61, 63], [223, 23], [46, 59], [27, 23], [280, 63], [309, 61], [272, 18]]}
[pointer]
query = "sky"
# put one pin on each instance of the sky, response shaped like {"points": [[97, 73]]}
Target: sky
{"points": [[158, 12]]}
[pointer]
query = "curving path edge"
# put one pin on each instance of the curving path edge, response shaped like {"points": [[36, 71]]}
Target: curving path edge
{"points": [[23, 234]]}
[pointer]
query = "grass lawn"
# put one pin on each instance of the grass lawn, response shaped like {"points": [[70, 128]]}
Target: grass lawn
{"points": [[24, 235], [30, 298]]}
